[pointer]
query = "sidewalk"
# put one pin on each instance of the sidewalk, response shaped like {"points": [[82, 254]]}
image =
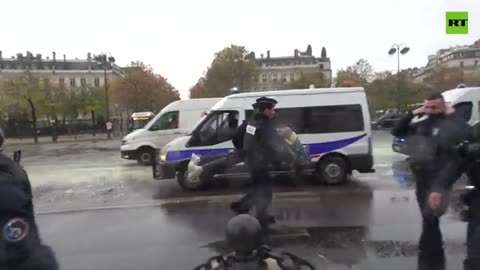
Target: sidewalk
{"points": [[62, 139], [64, 145]]}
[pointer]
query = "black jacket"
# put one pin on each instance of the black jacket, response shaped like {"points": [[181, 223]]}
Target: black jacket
{"points": [[237, 139], [20, 244], [431, 144], [261, 142]]}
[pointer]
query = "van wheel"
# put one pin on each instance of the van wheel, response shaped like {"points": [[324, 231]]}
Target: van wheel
{"points": [[145, 156], [186, 184], [332, 170]]}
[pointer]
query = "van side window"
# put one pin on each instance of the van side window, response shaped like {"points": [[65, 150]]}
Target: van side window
{"points": [[331, 119], [167, 121], [464, 110], [217, 127], [294, 118]]}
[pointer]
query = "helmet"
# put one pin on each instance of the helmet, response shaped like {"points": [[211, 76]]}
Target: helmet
{"points": [[244, 234]]}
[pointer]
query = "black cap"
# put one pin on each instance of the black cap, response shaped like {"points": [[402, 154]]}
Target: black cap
{"points": [[265, 100]]}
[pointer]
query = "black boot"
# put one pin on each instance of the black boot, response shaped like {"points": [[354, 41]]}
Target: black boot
{"points": [[431, 260], [266, 221]]}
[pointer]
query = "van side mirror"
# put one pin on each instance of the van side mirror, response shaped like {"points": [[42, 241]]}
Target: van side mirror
{"points": [[154, 128]]}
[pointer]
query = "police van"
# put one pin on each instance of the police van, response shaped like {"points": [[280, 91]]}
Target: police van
{"points": [[465, 101], [332, 123], [176, 119]]}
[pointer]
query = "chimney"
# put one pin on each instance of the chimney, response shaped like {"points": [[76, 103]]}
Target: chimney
{"points": [[54, 56], [261, 55], [39, 57], [19, 56], [268, 54], [295, 53], [64, 58], [1, 57]]}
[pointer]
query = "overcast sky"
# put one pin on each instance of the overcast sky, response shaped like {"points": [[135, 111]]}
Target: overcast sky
{"points": [[179, 37]]}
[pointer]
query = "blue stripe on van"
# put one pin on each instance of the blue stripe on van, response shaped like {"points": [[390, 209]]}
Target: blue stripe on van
{"points": [[314, 149]]}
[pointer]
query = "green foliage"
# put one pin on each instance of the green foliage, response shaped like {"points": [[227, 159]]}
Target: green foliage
{"points": [[316, 79], [233, 66], [142, 90], [358, 74]]}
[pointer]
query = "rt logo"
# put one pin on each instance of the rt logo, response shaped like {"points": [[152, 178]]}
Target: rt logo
{"points": [[457, 23]]}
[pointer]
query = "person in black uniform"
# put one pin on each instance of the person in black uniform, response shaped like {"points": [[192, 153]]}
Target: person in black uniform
{"points": [[471, 199], [20, 245], [260, 146], [432, 132], [470, 151]]}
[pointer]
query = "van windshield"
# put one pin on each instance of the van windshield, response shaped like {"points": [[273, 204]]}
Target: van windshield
{"points": [[199, 123], [139, 123]]}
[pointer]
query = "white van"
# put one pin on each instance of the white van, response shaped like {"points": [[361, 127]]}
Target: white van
{"points": [[332, 123], [175, 120], [465, 101]]}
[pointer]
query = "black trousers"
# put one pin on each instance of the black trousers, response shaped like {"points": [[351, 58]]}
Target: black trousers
{"points": [[431, 254], [259, 194]]}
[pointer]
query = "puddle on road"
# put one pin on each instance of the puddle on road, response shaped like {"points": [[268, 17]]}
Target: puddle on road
{"points": [[346, 229]]}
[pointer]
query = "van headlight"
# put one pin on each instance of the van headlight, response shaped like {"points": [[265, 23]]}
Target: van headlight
{"points": [[163, 154]]}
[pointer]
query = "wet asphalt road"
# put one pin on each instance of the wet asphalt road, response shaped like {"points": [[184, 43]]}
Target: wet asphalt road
{"points": [[370, 223]]}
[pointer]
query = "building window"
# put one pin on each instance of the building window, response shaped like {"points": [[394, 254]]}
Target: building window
{"points": [[72, 82], [264, 76], [292, 76], [321, 66], [275, 76], [97, 82], [61, 81], [461, 64], [83, 82], [264, 80], [284, 76], [476, 63]]}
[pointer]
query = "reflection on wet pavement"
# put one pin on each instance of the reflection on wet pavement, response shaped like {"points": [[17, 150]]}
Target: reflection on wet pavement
{"points": [[349, 229]]}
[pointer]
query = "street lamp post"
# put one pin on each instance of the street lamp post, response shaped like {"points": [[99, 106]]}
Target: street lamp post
{"points": [[399, 49], [105, 60]]}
